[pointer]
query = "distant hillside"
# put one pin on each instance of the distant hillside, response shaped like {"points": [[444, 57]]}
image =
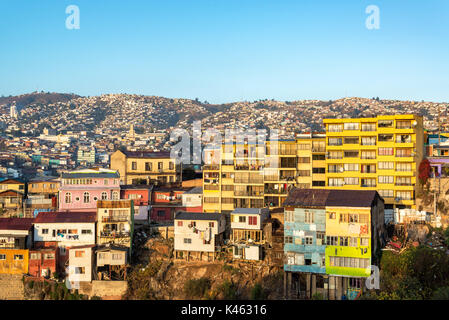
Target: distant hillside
{"points": [[37, 98]]}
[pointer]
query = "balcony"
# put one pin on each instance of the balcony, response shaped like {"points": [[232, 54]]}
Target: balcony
{"points": [[211, 167], [114, 234], [115, 219]]}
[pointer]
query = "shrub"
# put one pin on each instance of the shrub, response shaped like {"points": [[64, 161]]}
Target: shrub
{"points": [[196, 287], [229, 290], [258, 293]]}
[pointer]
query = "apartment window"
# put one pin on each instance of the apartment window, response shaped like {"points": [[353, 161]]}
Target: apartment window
{"points": [[33, 256], [334, 128], [368, 168], [368, 141], [288, 239], [335, 182], [364, 242], [115, 195], [303, 146], [386, 193], [332, 240], [288, 215], [404, 195], [161, 213], [369, 183], [79, 253], [319, 170], [320, 237], [211, 224], [334, 168], [80, 270], [211, 199], [352, 242], [308, 240], [44, 231], [227, 188], [403, 138], [368, 127], [18, 257], [160, 165], [351, 126], [86, 231], [116, 256], [351, 154], [134, 165], [351, 140], [351, 167], [400, 124], [335, 155], [2, 256], [363, 218], [242, 219], [335, 141], [385, 123], [68, 197], [386, 151], [403, 181], [148, 166], [319, 156], [332, 215], [318, 183], [371, 154], [386, 165], [104, 195], [179, 223], [309, 217], [343, 241], [351, 181], [171, 165], [227, 200], [304, 173], [385, 138], [304, 159], [386, 179], [106, 182], [187, 240], [86, 197], [403, 166], [403, 152], [353, 218]]}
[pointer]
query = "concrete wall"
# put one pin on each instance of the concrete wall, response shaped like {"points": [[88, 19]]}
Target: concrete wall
{"points": [[11, 287], [105, 289]]}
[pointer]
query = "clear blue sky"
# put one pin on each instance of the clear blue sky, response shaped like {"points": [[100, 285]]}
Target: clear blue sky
{"points": [[227, 50]]}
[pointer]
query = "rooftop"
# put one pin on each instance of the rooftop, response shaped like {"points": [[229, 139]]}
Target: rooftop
{"points": [[65, 217], [198, 216], [16, 223]]}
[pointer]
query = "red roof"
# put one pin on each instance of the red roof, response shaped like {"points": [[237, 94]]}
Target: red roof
{"points": [[62, 217], [16, 223]]}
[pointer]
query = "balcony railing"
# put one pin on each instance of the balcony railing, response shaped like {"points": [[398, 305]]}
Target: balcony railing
{"points": [[115, 234], [115, 219]]}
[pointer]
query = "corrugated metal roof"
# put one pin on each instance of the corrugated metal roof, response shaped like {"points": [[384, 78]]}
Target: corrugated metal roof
{"points": [[114, 203], [147, 154], [16, 223], [330, 197], [69, 175], [65, 217], [251, 210]]}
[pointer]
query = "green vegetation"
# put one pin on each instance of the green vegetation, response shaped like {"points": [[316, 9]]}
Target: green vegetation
{"points": [[228, 290], [258, 292], [197, 288]]}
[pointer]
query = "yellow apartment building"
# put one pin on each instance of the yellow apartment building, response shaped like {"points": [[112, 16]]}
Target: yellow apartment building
{"points": [[146, 167], [381, 153], [311, 152], [257, 175]]}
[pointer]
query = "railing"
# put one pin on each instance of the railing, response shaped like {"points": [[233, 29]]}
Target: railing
{"points": [[211, 167], [114, 234], [115, 219]]}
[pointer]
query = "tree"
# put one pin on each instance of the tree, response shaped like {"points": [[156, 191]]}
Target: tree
{"points": [[424, 171]]}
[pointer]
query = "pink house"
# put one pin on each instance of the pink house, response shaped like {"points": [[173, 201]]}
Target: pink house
{"points": [[80, 190]]}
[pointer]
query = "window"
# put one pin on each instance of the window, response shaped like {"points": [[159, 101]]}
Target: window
{"points": [[18, 257], [404, 195], [160, 165], [344, 241], [403, 166], [386, 179], [171, 165], [334, 168], [86, 231], [335, 141], [385, 123], [79, 253], [351, 140], [44, 231], [288, 239], [303, 146], [115, 195], [403, 181], [353, 242], [335, 182], [105, 182], [368, 168], [403, 153], [309, 217], [211, 224], [403, 138], [117, 256], [34, 256], [318, 170], [134, 165], [2, 256], [386, 165], [368, 141], [332, 215], [320, 238], [332, 240], [386, 151], [351, 154], [179, 223], [161, 213], [187, 240], [86, 197], [148, 166], [308, 240], [242, 219], [351, 181], [316, 184], [68, 197], [364, 242], [334, 128], [351, 126], [304, 159], [104, 195], [371, 154], [386, 193], [252, 221], [400, 124], [227, 188], [371, 182], [335, 155], [385, 138], [288, 216], [80, 270], [368, 127], [351, 167]]}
